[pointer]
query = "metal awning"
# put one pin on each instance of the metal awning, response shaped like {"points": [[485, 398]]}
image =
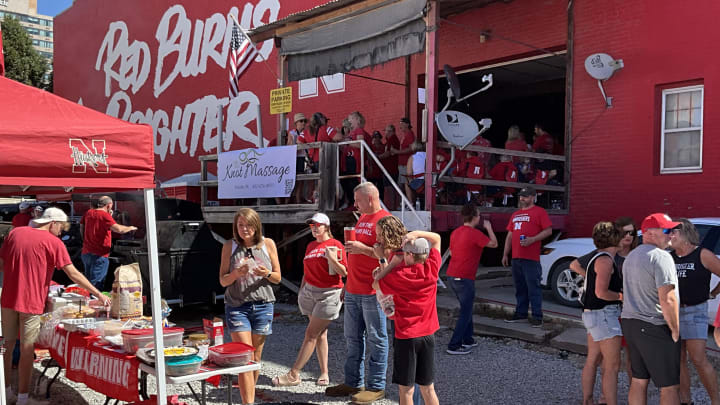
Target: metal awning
{"points": [[345, 35]]}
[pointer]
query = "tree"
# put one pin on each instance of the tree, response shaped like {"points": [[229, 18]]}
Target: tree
{"points": [[22, 62]]}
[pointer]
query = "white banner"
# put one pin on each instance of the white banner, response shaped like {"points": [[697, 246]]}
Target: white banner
{"points": [[257, 173]]}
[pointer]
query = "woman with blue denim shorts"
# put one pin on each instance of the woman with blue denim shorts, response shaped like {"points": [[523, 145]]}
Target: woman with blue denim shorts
{"points": [[694, 266], [248, 267], [601, 300]]}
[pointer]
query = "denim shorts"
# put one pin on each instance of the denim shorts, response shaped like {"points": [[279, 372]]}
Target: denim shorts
{"points": [[255, 317], [603, 324], [694, 322]]}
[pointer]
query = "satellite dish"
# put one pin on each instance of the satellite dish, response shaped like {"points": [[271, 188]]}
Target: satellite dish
{"points": [[601, 66], [460, 129], [453, 81]]}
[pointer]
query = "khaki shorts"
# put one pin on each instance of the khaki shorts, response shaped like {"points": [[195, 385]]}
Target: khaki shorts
{"points": [[28, 326], [322, 303]]}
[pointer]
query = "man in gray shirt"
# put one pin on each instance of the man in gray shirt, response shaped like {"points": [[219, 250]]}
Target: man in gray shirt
{"points": [[650, 314]]}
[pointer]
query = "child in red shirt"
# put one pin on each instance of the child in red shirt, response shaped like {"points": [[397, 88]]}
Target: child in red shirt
{"points": [[413, 285]]}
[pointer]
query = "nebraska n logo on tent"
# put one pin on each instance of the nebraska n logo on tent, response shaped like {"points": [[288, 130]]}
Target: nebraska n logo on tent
{"points": [[83, 156]]}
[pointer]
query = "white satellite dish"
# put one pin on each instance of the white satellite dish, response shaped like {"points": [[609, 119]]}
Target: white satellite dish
{"points": [[459, 128], [601, 66]]}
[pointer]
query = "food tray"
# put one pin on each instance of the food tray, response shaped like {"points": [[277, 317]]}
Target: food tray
{"points": [[231, 354], [73, 325], [181, 367], [138, 338], [172, 352]]}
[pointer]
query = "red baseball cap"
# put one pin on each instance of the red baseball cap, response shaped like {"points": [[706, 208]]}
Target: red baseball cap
{"points": [[658, 220]]}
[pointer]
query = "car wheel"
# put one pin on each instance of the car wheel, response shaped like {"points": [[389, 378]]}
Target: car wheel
{"points": [[566, 284]]}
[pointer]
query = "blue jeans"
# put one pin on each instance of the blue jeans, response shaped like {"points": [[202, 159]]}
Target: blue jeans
{"points": [[465, 293], [255, 317], [526, 275], [96, 268], [364, 319]]}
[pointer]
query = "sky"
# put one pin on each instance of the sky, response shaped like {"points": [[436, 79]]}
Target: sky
{"points": [[52, 7]]}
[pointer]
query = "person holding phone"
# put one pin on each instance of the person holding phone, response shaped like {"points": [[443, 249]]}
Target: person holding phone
{"points": [[324, 266], [248, 267]]}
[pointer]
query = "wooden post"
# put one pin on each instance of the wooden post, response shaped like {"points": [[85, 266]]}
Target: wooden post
{"points": [[282, 73], [431, 75], [568, 101]]}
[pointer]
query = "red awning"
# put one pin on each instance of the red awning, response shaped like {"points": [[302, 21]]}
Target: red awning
{"points": [[50, 144]]}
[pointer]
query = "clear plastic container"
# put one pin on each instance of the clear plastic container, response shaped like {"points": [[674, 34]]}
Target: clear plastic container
{"points": [[181, 367], [109, 328], [135, 339], [231, 354]]}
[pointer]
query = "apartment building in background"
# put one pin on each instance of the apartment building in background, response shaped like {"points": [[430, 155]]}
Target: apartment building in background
{"points": [[39, 27]]}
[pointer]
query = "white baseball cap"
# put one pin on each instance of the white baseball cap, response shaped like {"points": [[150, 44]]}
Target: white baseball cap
{"points": [[319, 218], [24, 205], [49, 215]]}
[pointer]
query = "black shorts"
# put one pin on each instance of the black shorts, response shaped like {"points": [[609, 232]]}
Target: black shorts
{"points": [[653, 354], [414, 361]]}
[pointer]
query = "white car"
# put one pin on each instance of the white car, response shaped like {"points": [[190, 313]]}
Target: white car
{"points": [[565, 284]]}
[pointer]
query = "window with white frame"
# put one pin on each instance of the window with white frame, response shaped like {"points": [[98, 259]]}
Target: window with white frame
{"points": [[681, 133]]}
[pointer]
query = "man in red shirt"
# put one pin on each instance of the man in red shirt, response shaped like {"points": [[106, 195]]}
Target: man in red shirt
{"points": [[413, 287], [23, 217], [406, 138], [466, 247], [527, 227], [365, 322], [544, 142], [27, 259], [95, 227]]}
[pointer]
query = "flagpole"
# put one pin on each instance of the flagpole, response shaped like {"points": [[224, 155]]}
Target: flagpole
{"points": [[265, 61]]}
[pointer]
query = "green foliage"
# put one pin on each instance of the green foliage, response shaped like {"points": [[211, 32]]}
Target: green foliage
{"points": [[22, 62]]}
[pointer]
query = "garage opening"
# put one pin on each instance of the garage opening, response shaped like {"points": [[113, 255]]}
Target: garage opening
{"points": [[526, 93]]}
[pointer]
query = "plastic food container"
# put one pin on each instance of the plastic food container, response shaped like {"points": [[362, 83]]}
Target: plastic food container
{"points": [[180, 367], [231, 354], [72, 325], [135, 339], [109, 328]]}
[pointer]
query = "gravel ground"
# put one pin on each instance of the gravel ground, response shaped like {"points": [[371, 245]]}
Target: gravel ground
{"points": [[498, 371]]}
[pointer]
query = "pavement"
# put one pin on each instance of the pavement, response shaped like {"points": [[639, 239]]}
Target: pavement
{"points": [[495, 298]]}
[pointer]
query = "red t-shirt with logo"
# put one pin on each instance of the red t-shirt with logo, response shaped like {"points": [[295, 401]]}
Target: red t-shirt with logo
{"points": [[360, 267], [466, 246], [323, 135], [414, 291], [21, 219], [98, 239], [316, 265], [528, 222], [474, 169], [407, 140], [29, 258]]}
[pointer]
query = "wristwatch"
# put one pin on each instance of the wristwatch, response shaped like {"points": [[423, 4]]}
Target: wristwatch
{"points": [[382, 260], [268, 275]]}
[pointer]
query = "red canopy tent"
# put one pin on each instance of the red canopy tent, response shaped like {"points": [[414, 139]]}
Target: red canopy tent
{"points": [[52, 145]]}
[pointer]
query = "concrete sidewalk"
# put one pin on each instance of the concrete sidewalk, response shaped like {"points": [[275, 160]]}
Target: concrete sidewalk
{"points": [[495, 299]]}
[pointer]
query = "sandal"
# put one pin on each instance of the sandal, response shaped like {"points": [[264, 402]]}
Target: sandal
{"points": [[285, 381], [322, 381]]}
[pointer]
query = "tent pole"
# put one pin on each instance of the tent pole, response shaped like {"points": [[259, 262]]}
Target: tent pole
{"points": [[151, 236]]}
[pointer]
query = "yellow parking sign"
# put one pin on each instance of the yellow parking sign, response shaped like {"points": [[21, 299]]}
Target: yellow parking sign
{"points": [[281, 100]]}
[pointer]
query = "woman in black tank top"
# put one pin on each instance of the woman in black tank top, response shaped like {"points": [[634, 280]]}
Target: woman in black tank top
{"points": [[694, 265], [601, 302]]}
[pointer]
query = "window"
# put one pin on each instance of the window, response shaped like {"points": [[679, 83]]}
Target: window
{"points": [[681, 133], [4, 3]]}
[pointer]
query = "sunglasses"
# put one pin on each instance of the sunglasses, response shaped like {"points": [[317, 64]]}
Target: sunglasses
{"points": [[667, 231], [633, 233], [315, 225]]}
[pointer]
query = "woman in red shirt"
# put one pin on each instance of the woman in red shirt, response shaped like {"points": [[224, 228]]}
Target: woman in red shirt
{"points": [[318, 298]]}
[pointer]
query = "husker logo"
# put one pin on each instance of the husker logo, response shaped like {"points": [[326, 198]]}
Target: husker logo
{"points": [[83, 156]]}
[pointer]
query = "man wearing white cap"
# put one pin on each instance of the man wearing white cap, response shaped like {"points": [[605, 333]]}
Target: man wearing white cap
{"points": [[23, 217], [28, 258]]}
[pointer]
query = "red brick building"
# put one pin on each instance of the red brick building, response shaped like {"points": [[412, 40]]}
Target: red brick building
{"points": [[164, 63]]}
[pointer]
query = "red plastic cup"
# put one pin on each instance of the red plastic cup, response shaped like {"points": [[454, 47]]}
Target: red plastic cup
{"points": [[349, 233]]}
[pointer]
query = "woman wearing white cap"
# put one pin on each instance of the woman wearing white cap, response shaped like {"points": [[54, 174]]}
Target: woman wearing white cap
{"points": [[319, 298]]}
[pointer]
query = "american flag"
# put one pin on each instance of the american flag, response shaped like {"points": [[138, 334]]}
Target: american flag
{"points": [[242, 53]]}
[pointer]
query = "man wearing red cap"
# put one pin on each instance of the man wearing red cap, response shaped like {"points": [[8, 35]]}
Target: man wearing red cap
{"points": [[650, 314]]}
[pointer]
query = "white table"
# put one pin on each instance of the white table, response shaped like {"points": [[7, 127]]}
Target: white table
{"points": [[205, 372]]}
